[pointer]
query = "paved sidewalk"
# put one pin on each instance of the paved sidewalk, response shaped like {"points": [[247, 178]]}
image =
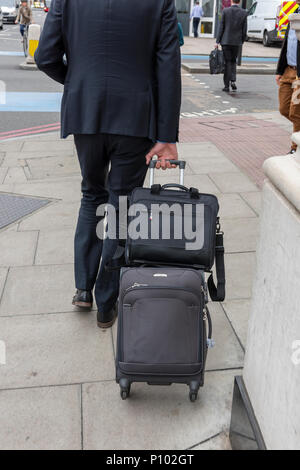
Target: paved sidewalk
{"points": [[57, 389], [250, 48], [257, 59]]}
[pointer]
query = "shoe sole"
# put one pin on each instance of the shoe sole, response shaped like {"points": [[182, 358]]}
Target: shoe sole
{"points": [[83, 305], [105, 325]]}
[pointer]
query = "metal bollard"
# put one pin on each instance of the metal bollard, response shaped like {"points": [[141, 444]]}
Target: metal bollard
{"points": [[34, 33]]}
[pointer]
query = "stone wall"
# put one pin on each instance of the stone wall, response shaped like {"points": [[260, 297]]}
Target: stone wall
{"points": [[272, 364]]}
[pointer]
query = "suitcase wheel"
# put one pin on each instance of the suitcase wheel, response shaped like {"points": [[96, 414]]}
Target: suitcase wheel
{"points": [[124, 388], [124, 394], [193, 396], [194, 387]]}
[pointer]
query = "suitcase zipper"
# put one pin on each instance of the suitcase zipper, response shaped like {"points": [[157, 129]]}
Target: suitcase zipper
{"points": [[136, 285]]}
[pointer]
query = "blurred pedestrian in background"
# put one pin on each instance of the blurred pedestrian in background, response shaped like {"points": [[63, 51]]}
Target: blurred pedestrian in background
{"points": [[231, 35], [196, 16], [24, 16]]}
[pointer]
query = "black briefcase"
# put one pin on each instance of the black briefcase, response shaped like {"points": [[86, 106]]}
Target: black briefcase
{"points": [[169, 217], [216, 62]]}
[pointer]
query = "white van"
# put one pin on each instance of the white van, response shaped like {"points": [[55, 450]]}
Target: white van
{"points": [[262, 21]]}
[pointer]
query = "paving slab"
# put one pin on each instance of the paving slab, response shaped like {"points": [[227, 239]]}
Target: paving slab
{"points": [[11, 228], [53, 217], [13, 146], [240, 235], [3, 275], [17, 248], [69, 191], [214, 166], [155, 417], [38, 289], [52, 146], [41, 419], [55, 247], [227, 352], [17, 158], [220, 442], [238, 312], [6, 188], [254, 199], [198, 150], [12, 159], [15, 175], [46, 167], [49, 136], [233, 206], [54, 350], [240, 269], [3, 173], [232, 182]]}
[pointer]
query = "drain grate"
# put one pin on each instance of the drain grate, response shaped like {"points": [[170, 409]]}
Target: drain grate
{"points": [[13, 208]]}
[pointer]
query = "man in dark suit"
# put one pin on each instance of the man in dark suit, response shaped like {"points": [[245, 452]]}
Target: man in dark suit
{"points": [[119, 62], [231, 35]]}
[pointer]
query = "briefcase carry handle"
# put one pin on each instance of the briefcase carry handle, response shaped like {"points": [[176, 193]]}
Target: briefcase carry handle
{"points": [[194, 192], [180, 163]]}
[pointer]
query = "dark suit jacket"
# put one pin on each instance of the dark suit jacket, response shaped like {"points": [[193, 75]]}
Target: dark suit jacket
{"points": [[282, 62], [123, 66], [233, 26]]}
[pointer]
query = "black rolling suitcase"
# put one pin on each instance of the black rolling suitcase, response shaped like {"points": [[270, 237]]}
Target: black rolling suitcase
{"points": [[162, 328]]}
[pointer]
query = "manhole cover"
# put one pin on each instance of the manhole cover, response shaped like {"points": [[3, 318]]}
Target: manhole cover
{"points": [[13, 208]]}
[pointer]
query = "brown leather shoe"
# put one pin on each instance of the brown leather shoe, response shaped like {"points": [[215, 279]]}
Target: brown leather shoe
{"points": [[106, 320], [83, 299]]}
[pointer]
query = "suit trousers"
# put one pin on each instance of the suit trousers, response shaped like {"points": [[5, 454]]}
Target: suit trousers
{"points": [[289, 105], [196, 22], [111, 166], [230, 58]]}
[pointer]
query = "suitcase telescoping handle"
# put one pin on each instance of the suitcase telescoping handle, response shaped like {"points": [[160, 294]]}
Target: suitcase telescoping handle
{"points": [[180, 163]]}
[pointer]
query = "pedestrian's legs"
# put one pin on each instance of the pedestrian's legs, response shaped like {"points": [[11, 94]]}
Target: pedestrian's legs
{"points": [[227, 64], [128, 171], [94, 162], [234, 56], [22, 29], [285, 93], [196, 22], [294, 114]]}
